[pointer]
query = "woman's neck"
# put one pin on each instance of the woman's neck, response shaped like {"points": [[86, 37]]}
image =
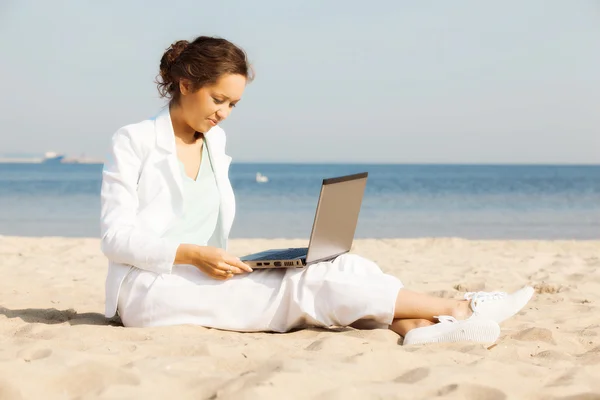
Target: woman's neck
{"points": [[183, 132]]}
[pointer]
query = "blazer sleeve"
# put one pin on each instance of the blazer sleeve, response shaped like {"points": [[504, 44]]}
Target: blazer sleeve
{"points": [[122, 242]]}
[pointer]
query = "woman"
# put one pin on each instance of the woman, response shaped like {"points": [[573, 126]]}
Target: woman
{"points": [[167, 209]]}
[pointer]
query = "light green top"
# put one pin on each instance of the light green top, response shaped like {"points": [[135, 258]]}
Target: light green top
{"points": [[200, 205]]}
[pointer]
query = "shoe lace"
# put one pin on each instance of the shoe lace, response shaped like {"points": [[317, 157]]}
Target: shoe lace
{"points": [[477, 298]]}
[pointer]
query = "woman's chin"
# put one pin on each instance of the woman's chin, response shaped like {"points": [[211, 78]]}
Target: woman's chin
{"points": [[200, 129], [203, 127]]}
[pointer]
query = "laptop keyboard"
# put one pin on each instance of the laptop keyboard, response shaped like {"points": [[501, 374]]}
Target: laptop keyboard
{"points": [[288, 254]]}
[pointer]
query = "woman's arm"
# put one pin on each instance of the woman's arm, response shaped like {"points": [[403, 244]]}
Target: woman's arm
{"points": [[122, 242]]}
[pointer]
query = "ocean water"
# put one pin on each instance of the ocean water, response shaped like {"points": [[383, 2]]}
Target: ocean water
{"points": [[405, 201]]}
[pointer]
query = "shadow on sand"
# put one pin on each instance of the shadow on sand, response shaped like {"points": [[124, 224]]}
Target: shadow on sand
{"points": [[53, 316]]}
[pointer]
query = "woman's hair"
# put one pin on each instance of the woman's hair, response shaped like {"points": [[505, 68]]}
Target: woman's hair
{"points": [[201, 62]]}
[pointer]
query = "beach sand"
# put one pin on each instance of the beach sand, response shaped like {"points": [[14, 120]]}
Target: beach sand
{"points": [[56, 344]]}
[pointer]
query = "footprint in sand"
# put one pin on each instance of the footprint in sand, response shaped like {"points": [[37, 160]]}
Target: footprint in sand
{"points": [[315, 346], [413, 376], [341, 344], [580, 396], [589, 331], [470, 391], [577, 277], [534, 335], [565, 379], [38, 331], [32, 354], [24, 331], [553, 355], [91, 378], [590, 357], [232, 388]]}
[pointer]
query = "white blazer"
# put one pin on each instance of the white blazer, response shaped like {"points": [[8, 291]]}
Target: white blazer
{"points": [[142, 195]]}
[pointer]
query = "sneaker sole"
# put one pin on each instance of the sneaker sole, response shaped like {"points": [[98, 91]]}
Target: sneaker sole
{"points": [[528, 290], [480, 331]]}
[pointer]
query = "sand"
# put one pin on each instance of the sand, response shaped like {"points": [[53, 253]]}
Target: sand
{"points": [[56, 344]]}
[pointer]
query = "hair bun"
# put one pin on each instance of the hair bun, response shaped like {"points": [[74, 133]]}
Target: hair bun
{"points": [[166, 62], [174, 51]]}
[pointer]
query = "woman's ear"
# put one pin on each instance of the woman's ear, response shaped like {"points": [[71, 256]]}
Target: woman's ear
{"points": [[185, 86]]}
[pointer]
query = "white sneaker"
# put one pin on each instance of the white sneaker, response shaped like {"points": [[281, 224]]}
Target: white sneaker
{"points": [[449, 329], [498, 306]]}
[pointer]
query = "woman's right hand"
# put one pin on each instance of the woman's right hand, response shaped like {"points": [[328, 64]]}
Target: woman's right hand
{"points": [[213, 261]]}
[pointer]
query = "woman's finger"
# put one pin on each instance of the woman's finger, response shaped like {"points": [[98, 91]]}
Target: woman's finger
{"points": [[220, 274], [236, 262], [228, 268], [215, 273]]}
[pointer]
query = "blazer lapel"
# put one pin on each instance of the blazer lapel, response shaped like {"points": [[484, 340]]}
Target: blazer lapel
{"points": [[221, 162], [165, 140]]}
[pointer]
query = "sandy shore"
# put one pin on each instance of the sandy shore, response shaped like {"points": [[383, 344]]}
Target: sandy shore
{"points": [[55, 343]]}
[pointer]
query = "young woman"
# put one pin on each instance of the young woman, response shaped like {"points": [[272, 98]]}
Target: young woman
{"points": [[167, 210]]}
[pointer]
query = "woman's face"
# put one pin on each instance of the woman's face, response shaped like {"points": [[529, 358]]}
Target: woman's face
{"points": [[210, 105]]}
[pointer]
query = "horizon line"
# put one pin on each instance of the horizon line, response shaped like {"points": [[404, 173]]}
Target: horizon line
{"points": [[417, 163], [453, 163]]}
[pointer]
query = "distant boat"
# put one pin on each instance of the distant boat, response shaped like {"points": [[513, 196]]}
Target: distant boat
{"points": [[52, 158], [260, 178]]}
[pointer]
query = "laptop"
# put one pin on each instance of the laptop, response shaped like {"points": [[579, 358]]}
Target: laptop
{"points": [[333, 228]]}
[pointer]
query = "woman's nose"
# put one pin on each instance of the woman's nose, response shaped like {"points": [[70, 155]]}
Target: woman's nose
{"points": [[222, 113]]}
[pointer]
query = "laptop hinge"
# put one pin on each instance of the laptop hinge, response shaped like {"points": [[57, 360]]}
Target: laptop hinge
{"points": [[327, 258]]}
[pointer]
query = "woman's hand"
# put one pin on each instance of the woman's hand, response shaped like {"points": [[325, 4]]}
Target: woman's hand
{"points": [[213, 261]]}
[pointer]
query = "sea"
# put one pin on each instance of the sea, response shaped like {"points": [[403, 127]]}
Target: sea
{"points": [[401, 201]]}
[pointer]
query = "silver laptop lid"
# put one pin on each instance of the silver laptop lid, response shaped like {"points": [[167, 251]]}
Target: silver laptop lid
{"points": [[336, 217]]}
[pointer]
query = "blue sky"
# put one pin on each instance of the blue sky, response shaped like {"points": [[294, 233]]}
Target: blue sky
{"points": [[352, 81]]}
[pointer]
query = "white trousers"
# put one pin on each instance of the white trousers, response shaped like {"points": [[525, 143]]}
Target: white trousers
{"points": [[341, 292]]}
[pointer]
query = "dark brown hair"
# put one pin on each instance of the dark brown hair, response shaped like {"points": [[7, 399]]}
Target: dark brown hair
{"points": [[201, 62]]}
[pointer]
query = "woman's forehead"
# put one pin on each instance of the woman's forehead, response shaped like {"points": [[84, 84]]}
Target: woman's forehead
{"points": [[230, 86]]}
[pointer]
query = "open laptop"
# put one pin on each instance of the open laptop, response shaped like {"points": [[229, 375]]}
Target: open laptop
{"points": [[333, 228]]}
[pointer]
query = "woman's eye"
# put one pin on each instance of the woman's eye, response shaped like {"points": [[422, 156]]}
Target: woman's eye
{"points": [[231, 105], [217, 101]]}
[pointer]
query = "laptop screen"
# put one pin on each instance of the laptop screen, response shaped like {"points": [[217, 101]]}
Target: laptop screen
{"points": [[336, 217]]}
